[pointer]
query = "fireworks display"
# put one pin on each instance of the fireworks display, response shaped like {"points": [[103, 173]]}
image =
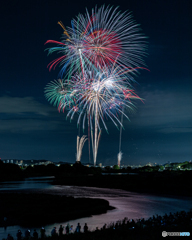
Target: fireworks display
{"points": [[119, 157], [100, 54], [80, 144]]}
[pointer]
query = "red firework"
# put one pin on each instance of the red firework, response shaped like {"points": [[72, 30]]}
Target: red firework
{"points": [[102, 47]]}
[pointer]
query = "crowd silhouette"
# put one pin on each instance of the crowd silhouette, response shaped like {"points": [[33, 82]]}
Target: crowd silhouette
{"points": [[156, 222], [63, 230]]}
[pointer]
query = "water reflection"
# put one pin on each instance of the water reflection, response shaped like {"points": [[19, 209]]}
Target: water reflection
{"points": [[28, 183], [128, 204]]}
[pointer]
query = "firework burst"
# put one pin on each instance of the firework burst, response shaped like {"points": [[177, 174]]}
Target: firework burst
{"points": [[80, 143], [119, 157], [100, 53], [98, 40]]}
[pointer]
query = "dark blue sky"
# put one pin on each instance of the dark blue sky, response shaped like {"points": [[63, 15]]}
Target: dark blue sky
{"points": [[161, 128]]}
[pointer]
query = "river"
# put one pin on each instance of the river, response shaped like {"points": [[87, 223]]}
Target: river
{"points": [[127, 204]]}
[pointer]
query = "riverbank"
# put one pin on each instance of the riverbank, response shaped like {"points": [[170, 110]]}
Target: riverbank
{"points": [[176, 183], [171, 183], [141, 229], [37, 210]]}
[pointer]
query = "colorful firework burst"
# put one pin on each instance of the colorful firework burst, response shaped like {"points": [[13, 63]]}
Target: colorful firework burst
{"points": [[98, 40], [99, 54]]}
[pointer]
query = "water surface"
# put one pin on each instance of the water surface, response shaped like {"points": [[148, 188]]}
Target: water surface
{"points": [[128, 204]]}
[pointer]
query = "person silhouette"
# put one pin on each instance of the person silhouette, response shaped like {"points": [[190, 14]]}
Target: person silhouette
{"points": [[42, 232], [67, 229], [61, 230], [53, 232], [85, 228], [19, 235], [78, 228], [35, 234]]}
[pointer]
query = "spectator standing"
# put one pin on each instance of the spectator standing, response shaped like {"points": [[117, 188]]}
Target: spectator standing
{"points": [[9, 237], [53, 232], [78, 228], [104, 226], [85, 228], [35, 234], [61, 230], [5, 223], [71, 229], [42, 232], [67, 229], [19, 235], [27, 234]]}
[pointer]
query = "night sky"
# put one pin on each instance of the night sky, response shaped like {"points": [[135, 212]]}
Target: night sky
{"points": [[160, 130]]}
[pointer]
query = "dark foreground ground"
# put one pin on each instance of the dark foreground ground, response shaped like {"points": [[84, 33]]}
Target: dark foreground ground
{"points": [[27, 209], [151, 228]]}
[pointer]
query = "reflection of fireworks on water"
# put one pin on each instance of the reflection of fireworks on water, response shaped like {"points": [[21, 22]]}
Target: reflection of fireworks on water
{"points": [[100, 52], [80, 143]]}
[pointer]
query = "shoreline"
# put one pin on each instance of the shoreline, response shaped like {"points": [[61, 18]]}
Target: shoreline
{"points": [[136, 233], [144, 183], [34, 209], [153, 228]]}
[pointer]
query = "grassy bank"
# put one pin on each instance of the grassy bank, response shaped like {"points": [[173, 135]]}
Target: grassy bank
{"points": [[167, 182], [41, 209]]}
